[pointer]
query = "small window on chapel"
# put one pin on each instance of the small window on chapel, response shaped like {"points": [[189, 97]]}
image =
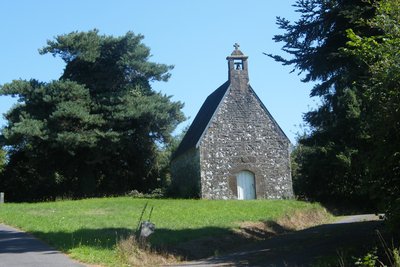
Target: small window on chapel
{"points": [[238, 64]]}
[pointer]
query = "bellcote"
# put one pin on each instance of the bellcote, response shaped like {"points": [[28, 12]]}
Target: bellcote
{"points": [[237, 65]]}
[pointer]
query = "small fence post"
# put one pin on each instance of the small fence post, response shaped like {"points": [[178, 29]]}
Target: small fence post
{"points": [[1, 197]]}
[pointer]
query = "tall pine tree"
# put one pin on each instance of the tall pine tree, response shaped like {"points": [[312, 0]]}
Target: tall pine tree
{"points": [[96, 130], [331, 157]]}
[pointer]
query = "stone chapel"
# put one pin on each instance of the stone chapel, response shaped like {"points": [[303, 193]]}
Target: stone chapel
{"points": [[234, 149]]}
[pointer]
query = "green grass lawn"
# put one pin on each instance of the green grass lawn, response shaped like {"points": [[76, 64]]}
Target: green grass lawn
{"points": [[88, 229]]}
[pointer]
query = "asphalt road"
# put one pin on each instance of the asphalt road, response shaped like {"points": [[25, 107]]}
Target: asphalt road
{"points": [[19, 249]]}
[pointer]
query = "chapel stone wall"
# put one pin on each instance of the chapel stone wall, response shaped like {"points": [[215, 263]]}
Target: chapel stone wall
{"points": [[242, 136]]}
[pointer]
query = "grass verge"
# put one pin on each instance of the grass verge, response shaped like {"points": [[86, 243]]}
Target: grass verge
{"points": [[91, 230]]}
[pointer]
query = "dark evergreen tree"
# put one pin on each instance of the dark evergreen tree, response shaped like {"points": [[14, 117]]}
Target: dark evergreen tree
{"points": [[95, 131], [332, 163]]}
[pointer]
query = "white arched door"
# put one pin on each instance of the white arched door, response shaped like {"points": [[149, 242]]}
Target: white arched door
{"points": [[246, 185]]}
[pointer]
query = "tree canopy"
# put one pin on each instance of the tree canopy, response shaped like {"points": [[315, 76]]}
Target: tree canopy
{"points": [[331, 167], [97, 129], [380, 54], [350, 48]]}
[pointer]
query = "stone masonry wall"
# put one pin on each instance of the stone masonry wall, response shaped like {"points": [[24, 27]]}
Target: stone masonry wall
{"points": [[241, 137]]}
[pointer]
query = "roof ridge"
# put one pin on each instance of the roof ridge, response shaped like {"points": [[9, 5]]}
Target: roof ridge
{"points": [[202, 119]]}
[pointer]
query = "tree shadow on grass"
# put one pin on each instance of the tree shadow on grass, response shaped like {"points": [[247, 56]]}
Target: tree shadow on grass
{"points": [[104, 238], [192, 244], [184, 243]]}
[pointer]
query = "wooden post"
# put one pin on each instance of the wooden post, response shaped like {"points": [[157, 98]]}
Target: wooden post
{"points": [[1, 197]]}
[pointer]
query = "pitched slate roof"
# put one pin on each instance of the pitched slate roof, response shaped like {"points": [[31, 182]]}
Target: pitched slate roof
{"points": [[201, 120]]}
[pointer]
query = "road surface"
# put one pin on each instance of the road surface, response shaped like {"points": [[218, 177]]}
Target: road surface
{"points": [[19, 249]]}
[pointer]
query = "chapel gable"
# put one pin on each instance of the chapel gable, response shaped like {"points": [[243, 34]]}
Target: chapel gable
{"points": [[234, 148]]}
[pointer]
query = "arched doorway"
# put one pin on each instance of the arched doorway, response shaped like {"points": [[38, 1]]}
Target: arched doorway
{"points": [[245, 181]]}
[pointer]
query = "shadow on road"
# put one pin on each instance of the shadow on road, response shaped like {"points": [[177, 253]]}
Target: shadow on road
{"points": [[18, 242], [21, 249]]}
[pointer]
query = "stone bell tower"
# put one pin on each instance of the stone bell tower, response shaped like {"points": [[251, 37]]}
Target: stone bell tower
{"points": [[238, 73]]}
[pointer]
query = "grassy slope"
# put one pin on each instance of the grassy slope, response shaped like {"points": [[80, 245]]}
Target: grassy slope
{"points": [[88, 229]]}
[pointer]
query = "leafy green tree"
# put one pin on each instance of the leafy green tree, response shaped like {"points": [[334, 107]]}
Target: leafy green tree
{"points": [[98, 128], [380, 54], [332, 163], [162, 165], [352, 49]]}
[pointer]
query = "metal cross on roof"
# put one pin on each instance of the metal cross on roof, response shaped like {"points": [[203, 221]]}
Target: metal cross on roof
{"points": [[236, 46]]}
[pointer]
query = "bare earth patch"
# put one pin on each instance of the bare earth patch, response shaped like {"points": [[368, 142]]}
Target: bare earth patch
{"points": [[297, 220]]}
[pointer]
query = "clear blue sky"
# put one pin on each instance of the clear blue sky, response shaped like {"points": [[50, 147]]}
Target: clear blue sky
{"points": [[195, 36]]}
